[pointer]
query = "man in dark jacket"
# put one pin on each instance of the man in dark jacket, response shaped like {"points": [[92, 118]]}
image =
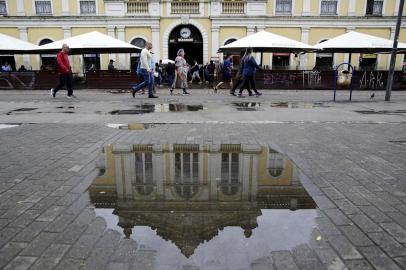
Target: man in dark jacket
{"points": [[64, 71]]}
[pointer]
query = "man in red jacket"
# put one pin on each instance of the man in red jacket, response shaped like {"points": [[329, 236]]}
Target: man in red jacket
{"points": [[64, 71]]}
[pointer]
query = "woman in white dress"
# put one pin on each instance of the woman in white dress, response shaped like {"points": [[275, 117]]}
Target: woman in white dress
{"points": [[181, 67]]}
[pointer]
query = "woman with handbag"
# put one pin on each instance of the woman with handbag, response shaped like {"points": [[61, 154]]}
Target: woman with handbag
{"points": [[181, 67]]}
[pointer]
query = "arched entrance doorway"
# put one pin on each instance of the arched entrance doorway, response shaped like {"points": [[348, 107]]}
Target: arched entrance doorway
{"points": [[190, 39]]}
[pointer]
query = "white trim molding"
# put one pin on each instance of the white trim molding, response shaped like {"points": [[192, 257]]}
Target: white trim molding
{"points": [[65, 8], [20, 7], [168, 30], [352, 8], [306, 8]]}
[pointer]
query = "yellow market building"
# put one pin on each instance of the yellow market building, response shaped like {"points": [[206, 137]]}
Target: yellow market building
{"points": [[199, 26]]}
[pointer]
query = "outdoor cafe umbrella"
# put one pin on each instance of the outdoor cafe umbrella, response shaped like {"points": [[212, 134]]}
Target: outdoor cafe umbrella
{"points": [[356, 42], [264, 41], [11, 45], [92, 42]]}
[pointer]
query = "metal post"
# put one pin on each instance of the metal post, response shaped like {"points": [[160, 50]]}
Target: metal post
{"points": [[349, 61], [262, 56], [389, 83]]}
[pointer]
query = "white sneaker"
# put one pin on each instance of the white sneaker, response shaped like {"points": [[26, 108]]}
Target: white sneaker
{"points": [[72, 96], [53, 93]]}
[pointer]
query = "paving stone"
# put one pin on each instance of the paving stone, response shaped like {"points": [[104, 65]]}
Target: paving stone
{"points": [[330, 259], [356, 236], [39, 244], [365, 223], [358, 265], [118, 266], [283, 260], [375, 214], [399, 218], [401, 261], [347, 207], [51, 257], [6, 234], [82, 248], [337, 217], [125, 251], [25, 218], [388, 244], [326, 226], [20, 263], [50, 214], [30, 232], [9, 251], [344, 248], [263, 263], [323, 202], [396, 231], [144, 259], [70, 264], [378, 258]]}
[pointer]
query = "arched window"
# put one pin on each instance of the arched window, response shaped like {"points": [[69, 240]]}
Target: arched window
{"points": [[186, 174], [230, 40], [230, 180], [139, 42], [324, 61], [47, 60], [275, 163], [144, 180]]}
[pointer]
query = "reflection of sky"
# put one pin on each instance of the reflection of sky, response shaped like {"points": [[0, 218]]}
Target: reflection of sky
{"points": [[277, 230]]}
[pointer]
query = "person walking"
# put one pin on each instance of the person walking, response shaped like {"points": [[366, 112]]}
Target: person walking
{"points": [[181, 72], [64, 71], [145, 71], [249, 69], [239, 78], [195, 72], [227, 68], [170, 73]]}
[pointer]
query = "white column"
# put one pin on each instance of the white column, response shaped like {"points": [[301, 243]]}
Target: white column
{"points": [[347, 55], [304, 39], [65, 8], [215, 40], [66, 32], [122, 56], [352, 8], [20, 8], [156, 42], [396, 8], [392, 36], [306, 8], [111, 33], [24, 36]]}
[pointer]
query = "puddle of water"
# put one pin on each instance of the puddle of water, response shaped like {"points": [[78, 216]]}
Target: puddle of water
{"points": [[24, 109], [163, 107], [66, 107], [296, 105], [4, 126], [399, 142], [223, 206], [247, 106], [387, 112]]}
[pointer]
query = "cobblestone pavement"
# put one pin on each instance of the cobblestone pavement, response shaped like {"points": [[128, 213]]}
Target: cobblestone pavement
{"points": [[352, 164]]}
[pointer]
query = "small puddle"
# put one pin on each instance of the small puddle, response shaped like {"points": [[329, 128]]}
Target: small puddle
{"points": [[66, 107], [384, 112], [133, 126], [4, 126], [163, 107], [247, 106], [21, 110], [226, 205], [297, 105]]}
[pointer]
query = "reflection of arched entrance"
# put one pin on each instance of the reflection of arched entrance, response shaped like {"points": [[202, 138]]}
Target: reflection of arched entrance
{"points": [[139, 42], [190, 39]]}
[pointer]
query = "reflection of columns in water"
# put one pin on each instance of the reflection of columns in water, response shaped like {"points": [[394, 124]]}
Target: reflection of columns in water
{"points": [[125, 169]]}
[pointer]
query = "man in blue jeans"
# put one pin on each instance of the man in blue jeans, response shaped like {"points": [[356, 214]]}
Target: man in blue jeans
{"points": [[145, 71]]}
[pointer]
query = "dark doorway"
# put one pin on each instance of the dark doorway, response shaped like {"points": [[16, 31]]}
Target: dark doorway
{"points": [[8, 59], [189, 38]]}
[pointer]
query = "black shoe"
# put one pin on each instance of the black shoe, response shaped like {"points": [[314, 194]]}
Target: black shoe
{"points": [[251, 94], [152, 96], [53, 94], [233, 93], [215, 89], [134, 91], [185, 92]]}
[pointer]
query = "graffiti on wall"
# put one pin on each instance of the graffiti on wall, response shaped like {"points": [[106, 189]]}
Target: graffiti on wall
{"points": [[281, 78], [311, 79], [372, 80]]}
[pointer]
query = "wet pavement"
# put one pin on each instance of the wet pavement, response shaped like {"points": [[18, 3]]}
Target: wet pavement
{"points": [[260, 189]]}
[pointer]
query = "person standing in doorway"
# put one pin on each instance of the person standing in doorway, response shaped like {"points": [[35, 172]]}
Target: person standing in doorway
{"points": [[181, 67], [64, 71], [145, 71], [195, 72], [249, 69]]}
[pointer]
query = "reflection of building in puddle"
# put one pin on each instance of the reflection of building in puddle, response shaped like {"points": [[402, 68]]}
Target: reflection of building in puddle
{"points": [[164, 107], [247, 106], [188, 192]]}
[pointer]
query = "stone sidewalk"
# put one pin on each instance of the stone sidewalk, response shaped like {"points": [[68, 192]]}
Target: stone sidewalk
{"points": [[354, 170]]}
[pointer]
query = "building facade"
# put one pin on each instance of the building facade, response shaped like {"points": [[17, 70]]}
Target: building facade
{"points": [[199, 26]]}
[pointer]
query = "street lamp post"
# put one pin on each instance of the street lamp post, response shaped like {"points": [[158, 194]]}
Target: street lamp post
{"points": [[389, 83]]}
